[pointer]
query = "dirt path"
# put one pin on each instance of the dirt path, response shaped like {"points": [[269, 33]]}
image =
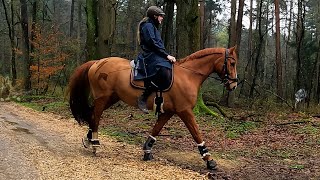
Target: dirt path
{"points": [[37, 145]]}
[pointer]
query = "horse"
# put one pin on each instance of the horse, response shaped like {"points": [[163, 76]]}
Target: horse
{"points": [[106, 81]]}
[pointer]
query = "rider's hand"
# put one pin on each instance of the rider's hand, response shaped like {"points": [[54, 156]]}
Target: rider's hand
{"points": [[171, 58]]}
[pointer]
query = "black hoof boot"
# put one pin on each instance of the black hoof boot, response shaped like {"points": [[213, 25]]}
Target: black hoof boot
{"points": [[147, 156], [142, 104], [95, 143], [212, 165]]}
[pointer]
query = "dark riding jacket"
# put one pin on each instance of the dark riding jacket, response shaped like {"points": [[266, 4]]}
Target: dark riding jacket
{"points": [[153, 54]]}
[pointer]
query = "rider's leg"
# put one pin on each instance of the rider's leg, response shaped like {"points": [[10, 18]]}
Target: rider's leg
{"points": [[163, 78], [142, 100]]}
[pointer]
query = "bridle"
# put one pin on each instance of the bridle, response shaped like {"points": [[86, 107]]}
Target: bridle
{"points": [[227, 80]]}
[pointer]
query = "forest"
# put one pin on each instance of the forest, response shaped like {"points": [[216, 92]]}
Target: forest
{"points": [[267, 128], [277, 41]]}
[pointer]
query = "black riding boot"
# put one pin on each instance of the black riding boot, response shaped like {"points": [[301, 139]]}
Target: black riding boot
{"points": [[142, 101]]}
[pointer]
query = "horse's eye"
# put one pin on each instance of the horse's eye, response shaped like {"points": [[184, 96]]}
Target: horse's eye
{"points": [[233, 64]]}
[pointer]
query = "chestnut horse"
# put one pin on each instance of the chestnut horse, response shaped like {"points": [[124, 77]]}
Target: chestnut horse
{"points": [[108, 81]]}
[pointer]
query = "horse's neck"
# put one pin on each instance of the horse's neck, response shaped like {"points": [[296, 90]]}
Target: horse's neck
{"points": [[204, 65]]}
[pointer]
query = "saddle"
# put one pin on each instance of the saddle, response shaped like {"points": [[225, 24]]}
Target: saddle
{"points": [[158, 100], [139, 84]]}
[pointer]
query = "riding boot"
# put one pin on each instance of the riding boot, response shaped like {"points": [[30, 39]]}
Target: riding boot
{"points": [[142, 101]]}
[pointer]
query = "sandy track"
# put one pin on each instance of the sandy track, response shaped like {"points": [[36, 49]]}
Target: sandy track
{"points": [[37, 145]]}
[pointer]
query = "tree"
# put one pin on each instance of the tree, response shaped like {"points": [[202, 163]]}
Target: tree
{"points": [[167, 27], [278, 50], [260, 43], [25, 30], [232, 27], [188, 29], [11, 33], [92, 23], [202, 14], [79, 31], [299, 41], [106, 26], [239, 25], [71, 18], [50, 58]]}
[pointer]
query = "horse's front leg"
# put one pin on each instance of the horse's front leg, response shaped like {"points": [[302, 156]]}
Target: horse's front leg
{"points": [[147, 147], [188, 118]]}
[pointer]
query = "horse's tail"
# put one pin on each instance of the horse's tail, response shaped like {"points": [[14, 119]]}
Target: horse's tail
{"points": [[79, 91]]}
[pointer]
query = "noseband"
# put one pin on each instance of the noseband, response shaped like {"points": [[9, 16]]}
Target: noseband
{"points": [[227, 80]]}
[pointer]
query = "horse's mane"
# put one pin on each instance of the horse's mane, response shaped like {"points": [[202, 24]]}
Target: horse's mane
{"points": [[199, 54]]}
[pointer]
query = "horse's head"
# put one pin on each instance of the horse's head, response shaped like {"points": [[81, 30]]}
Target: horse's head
{"points": [[229, 69]]}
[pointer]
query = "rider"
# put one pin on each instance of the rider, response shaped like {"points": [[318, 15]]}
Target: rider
{"points": [[153, 62]]}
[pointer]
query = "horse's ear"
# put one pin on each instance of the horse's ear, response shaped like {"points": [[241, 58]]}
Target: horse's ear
{"points": [[233, 49]]}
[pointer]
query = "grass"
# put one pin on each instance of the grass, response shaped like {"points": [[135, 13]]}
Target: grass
{"points": [[308, 129], [121, 135], [297, 166], [46, 103]]}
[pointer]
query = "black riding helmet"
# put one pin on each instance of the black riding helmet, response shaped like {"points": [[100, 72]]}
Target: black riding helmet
{"points": [[154, 11]]}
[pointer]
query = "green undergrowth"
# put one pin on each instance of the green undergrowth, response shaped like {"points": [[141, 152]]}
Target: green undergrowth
{"points": [[122, 135], [45, 103]]}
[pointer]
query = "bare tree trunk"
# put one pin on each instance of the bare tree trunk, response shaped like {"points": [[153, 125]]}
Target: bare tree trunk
{"points": [[79, 32], [167, 28], [130, 38], [202, 13], [239, 24], [248, 68], [317, 96], [278, 50], [232, 27], [12, 43], [188, 30], [134, 15], [299, 39], [71, 18], [106, 26], [91, 46], [32, 48], [318, 87], [25, 30], [259, 48], [288, 65], [209, 34]]}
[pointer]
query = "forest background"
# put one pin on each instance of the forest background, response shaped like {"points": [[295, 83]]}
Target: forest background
{"points": [[278, 42], [42, 41]]}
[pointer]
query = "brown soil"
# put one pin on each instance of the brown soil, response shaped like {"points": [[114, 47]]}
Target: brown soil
{"points": [[47, 146], [37, 145]]}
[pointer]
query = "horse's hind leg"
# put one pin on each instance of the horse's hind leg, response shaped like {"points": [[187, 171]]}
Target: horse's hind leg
{"points": [[147, 147], [188, 118], [100, 105]]}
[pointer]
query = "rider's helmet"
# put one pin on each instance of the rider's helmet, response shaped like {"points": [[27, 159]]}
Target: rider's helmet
{"points": [[154, 11]]}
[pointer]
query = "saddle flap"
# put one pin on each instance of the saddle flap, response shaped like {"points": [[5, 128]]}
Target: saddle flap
{"points": [[139, 84]]}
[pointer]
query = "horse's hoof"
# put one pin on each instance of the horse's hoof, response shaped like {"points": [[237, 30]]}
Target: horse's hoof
{"points": [[85, 142], [94, 150], [211, 165], [147, 156], [95, 144]]}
